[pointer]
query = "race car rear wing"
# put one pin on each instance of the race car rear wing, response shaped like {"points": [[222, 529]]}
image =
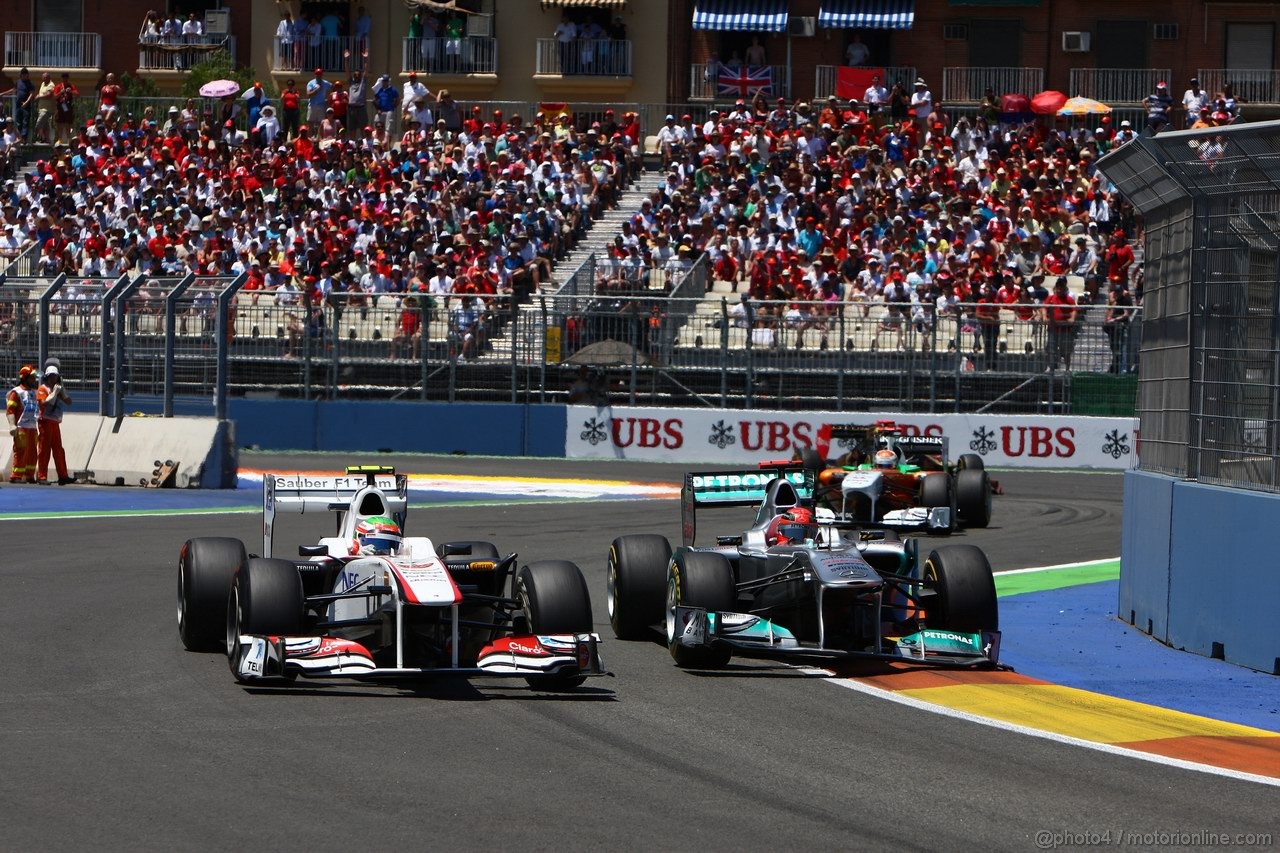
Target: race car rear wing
{"points": [[734, 489], [302, 493]]}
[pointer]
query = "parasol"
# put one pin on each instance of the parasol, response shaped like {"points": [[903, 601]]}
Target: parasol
{"points": [[1083, 107], [1015, 107], [1048, 103], [219, 88]]}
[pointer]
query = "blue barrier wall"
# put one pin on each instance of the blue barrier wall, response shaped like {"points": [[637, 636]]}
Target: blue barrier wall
{"points": [[493, 429], [1220, 593]]}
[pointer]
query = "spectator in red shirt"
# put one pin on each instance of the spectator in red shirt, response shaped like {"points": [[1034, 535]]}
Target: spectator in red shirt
{"points": [[1060, 310]]}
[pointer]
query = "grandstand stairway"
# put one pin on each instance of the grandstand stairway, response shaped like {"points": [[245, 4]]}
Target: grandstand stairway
{"points": [[602, 232]]}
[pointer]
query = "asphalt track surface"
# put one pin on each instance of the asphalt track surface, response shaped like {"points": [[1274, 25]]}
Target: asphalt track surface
{"points": [[115, 738]]}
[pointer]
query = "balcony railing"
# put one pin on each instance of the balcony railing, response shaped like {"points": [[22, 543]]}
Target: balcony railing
{"points": [[824, 81], [180, 56], [1115, 85], [970, 84], [1257, 87], [468, 55], [705, 84], [52, 50], [587, 57], [307, 54]]}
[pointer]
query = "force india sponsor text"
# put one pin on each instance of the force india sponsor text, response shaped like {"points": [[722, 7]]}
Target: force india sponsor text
{"points": [[736, 437]]}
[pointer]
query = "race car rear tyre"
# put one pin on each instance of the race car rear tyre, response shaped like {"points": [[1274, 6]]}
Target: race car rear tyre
{"points": [[636, 580], [699, 579], [970, 462], [811, 460], [973, 497], [205, 569], [964, 596], [936, 491], [554, 599], [266, 598]]}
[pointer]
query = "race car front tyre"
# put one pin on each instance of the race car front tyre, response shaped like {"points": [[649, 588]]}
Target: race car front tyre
{"points": [[970, 462], [266, 598], [936, 491], [699, 579], [964, 597], [205, 569], [973, 497], [554, 599], [636, 579]]}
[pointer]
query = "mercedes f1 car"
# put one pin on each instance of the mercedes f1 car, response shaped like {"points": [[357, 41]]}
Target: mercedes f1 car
{"points": [[905, 482], [369, 603], [800, 583]]}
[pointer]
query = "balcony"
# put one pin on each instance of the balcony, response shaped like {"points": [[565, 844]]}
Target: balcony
{"points": [[1251, 86], [305, 55], [970, 84], [180, 56], [824, 80], [468, 55], [707, 83], [584, 57], [53, 50], [1115, 85]]}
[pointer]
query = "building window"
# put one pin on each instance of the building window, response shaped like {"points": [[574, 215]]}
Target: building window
{"points": [[1251, 46], [65, 16]]}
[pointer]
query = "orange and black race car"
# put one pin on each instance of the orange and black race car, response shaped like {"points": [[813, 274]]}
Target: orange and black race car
{"points": [[905, 481]]}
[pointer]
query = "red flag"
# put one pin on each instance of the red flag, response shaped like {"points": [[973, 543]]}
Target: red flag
{"points": [[852, 83]]}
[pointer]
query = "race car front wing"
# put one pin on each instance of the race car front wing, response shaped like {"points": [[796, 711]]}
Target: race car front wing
{"points": [[270, 657]]}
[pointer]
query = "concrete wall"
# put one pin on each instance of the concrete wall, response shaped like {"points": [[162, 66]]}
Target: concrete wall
{"points": [[1198, 562], [411, 427]]}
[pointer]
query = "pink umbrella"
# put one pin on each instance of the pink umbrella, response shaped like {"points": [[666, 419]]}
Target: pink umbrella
{"points": [[1048, 103], [222, 88]]}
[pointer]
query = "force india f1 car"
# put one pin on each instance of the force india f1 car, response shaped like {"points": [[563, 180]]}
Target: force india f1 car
{"points": [[833, 590], [407, 610], [904, 482]]}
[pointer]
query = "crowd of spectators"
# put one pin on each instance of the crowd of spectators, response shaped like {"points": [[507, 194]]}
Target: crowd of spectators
{"points": [[429, 208], [806, 210]]}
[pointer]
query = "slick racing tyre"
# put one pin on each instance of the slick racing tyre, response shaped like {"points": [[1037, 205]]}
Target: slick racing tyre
{"points": [[936, 491], [964, 597], [554, 600], [973, 497], [636, 580], [266, 598], [970, 462], [205, 569], [699, 579]]}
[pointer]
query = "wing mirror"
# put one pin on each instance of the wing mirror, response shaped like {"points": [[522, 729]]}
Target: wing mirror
{"points": [[313, 551], [452, 549]]}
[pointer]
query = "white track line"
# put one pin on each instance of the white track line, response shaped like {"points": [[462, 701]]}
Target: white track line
{"points": [[1058, 566], [920, 704]]}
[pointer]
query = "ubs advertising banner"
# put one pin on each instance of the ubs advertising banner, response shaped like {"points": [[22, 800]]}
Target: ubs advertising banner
{"points": [[737, 437]]}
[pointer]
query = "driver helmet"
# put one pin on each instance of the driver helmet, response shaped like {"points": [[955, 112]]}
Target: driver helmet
{"points": [[886, 458], [794, 526], [378, 534]]}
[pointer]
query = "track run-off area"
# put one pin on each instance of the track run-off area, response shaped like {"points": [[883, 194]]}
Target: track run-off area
{"points": [[117, 738]]}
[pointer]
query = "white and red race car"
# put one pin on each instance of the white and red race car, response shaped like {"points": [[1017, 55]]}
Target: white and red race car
{"points": [[420, 611]]}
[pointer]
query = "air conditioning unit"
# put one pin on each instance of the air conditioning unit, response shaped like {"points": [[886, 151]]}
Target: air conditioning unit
{"points": [[480, 25], [1075, 42], [802, 27], [1165, 32]]}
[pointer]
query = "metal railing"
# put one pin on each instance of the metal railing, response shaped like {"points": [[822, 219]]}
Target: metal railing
{"points": [[467, 55], [179, 56], [1250, 85], [824, 80], [970, 83], [595, 57], [704, 84], [1115, 85], [306, 54], [52, 50]]}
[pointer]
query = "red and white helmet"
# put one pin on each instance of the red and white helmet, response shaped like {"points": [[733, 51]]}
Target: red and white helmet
{"points": [[378, 534], [886, 458], [792, 527]]}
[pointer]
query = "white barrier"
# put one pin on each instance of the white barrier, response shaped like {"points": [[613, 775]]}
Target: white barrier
{"points": [[124, 452], [718, 436]]}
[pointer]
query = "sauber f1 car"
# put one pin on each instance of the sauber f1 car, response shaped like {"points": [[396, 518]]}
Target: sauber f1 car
{"points": [[369, 603], [800, 583], [904, 482]]}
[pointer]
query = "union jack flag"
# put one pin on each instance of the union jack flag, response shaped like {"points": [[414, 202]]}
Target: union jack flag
{"points": [[743, 81]]}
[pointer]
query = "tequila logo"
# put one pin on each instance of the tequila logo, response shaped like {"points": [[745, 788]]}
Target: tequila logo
{"points": [[594, 432], [984, 441], [1116, 445], [721, 435]]}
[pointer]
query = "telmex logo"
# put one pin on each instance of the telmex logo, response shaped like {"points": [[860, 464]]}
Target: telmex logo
{"points": [[721, 481]]}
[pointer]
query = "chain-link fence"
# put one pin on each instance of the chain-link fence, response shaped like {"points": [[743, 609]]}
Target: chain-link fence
{"points": [[1209, 399]]}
